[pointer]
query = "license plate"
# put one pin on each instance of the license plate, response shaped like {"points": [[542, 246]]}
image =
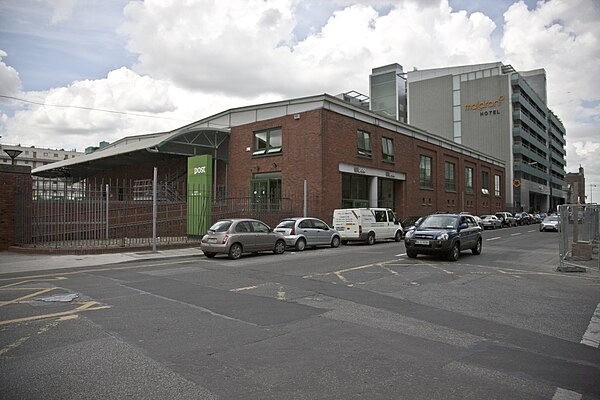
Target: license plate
{"points": [[212, 240], [422, 242]]}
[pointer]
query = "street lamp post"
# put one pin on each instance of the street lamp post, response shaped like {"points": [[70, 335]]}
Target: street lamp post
{"points": [[592, 186]]}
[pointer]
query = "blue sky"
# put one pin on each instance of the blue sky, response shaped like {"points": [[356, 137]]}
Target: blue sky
{"points": [[182, 61]]}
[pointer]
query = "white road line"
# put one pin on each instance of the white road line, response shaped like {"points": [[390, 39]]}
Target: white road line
{"points": [[591, 337], [564, 394], [514, 234], [494, 238], [532, 231]]}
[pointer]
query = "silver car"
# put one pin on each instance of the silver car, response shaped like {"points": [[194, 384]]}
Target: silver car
{"points": [[300, 232], [491, 222], [551, 223], [237, 236]]}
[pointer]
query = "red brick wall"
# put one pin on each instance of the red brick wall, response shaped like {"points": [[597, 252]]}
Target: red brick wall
{"points": [[13, 178], [315, 145]]}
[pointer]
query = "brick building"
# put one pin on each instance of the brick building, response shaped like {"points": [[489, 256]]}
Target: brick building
{"points": [[343, 154]]}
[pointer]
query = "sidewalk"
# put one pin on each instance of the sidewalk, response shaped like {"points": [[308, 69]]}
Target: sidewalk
{"points": [[11, 262]]}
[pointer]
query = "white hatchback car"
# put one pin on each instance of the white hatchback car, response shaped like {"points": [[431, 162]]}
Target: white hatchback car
{"points": [[300, 232]]}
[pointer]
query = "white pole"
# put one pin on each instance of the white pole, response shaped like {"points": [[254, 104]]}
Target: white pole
{"points": [[305, 190], [107, 197], [154, 209]]}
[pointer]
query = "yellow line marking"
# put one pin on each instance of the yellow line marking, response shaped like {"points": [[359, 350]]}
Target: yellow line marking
{"points": [[3, 303], [14, 345], [340, 276], [87, 306], [57, 278]]}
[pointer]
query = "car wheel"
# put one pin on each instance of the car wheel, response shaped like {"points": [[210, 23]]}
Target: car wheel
{"points": [[477, 249], [235, 251], [411, 253], [209, 255], [454, 252], [335, 242], [300, 244], [398, 236], [279, 247], [371, 239]]}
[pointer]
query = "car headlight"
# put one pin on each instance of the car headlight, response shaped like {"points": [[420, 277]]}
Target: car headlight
{"points": [[409, 234], [443, 236]]}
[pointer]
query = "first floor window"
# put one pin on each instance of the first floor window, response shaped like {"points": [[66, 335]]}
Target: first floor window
{"points": [[425, 172], [450, 176], [265, 191], [497, 185], [485, 182], [387, 145], [267, 141], [469, 180], [363, 143]]}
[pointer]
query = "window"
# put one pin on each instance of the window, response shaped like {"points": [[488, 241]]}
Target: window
{"points": [[265, 191], [450, 176], [363, 143], [381, 216], [319, 225], [469, 180], [267, 142], [485, 180], [425, 173], [387, 145], [497, 185]]}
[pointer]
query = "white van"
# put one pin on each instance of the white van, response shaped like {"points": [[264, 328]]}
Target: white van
{"points": [[366, 224]]}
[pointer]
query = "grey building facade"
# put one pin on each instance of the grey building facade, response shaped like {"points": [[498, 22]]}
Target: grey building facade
{"points": [[501, 112]]}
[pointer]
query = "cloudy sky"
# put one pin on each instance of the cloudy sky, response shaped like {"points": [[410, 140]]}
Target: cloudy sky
{"points": [[160, 64]]}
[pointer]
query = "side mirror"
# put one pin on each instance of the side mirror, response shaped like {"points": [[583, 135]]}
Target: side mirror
{"points": [[462, 226]]}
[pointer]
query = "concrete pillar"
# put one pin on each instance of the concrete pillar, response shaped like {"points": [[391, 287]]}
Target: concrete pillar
{"points": [[373, 191]]}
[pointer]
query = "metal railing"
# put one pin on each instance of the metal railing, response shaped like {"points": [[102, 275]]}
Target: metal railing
{"points": [[579, 236], [59, 214]]}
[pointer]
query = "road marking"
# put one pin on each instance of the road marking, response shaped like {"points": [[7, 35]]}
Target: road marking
{"points": [[515, 234], [494, 238], [280, 294], [243, 288], [14, 345], [564, 394], [532, 231], [85, 271], [30, 295], [400, 255], [86, 306], [591, 337]]}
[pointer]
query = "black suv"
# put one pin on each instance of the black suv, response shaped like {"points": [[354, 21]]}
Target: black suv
{"points": [[446, 234]]}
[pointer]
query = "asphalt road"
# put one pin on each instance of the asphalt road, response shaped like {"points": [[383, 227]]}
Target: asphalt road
{"points": [[356, 322]]}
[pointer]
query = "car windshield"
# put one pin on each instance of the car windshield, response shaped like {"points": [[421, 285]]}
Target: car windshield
{"points": [[220, 226], [288, 223], [438, 222], [551, 219]]}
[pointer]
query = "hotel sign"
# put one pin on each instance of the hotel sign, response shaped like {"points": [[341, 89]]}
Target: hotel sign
{"points": [[485, 108]]}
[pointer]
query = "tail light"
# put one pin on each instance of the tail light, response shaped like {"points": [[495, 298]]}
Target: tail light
{"points": [[293, 231], [225, 238]]}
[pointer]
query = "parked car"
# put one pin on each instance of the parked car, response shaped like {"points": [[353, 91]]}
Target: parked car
{"points": [[410, 223], [479, 221], [507, 219], [491, 222], [237, 236], [300, 232], [522, 218], [445, 234], [367, 224], [551, 223]]}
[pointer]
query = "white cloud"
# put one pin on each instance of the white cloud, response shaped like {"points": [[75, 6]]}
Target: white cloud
{"points": [[196, 58], [10, 84], [563, 37], [61, 10]]}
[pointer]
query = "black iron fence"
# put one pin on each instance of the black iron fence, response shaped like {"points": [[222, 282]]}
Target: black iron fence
{"points": [[58, 213]]}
